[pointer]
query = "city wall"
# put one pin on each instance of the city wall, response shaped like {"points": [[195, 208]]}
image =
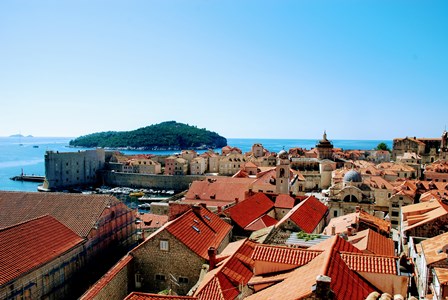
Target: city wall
{"points": [[161, 182]]}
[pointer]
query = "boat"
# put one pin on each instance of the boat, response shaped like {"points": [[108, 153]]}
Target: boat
{"points": [[152, 199], [136, 194], [35, 146]]}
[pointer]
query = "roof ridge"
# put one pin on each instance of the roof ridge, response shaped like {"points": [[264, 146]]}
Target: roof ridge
{"points": [[30, 220], [367, 254]]}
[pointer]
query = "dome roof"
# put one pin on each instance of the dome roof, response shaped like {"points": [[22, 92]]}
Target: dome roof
{"points": [[283, 154], [352, 176]]}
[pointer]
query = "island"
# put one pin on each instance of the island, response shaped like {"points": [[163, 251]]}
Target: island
{"points": [[169, 135]]}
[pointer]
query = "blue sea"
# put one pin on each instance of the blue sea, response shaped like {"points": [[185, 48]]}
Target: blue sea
{"points": [[26, 154]]}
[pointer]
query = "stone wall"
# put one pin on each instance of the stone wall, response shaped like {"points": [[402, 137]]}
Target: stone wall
{"points": [[158, 268], [162, 182], [116, 284]]}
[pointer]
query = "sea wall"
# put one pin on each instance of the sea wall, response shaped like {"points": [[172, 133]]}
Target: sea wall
{"points": [[162, 182]]}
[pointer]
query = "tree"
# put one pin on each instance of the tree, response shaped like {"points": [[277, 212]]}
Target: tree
{"points": [[382, 146]]}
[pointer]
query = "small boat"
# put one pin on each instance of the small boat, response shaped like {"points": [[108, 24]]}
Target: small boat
{"points": [[35, 146], [136, 194]]}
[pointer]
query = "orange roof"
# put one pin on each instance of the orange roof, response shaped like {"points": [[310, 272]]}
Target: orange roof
{"points": [[345, 283], [284, 255], [225, 189], [93, 291], [153, 220], [416, 215], [260, 223], [372, 242], [223, 282], [370, 263], [78, 212], [247, 211], [442, 275], [284, 201], [147, 296], [31, 244], [432, 248], [307, 214], [198, 229]]}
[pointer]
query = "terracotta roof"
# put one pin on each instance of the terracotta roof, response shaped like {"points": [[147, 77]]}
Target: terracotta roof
{"points": [[223, 282], [416, 215], [219, 188], [28, 245], [372, 242], [198, 229], [442, 275], [341, 223], [93, 291], [345, 283], [78, 212], [152, 220], [307, 214], [260, 223], [147, 296], [284, 201], [432, 248], [250, 209], [370, 263], [284, 255]]}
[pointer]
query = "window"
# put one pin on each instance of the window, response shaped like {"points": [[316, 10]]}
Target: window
{"points": [[395, 213], [183, 280], [160, 277], [164, 245], [335, 213]]}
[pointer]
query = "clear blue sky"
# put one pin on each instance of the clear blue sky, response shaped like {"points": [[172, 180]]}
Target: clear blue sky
{"points": [[245, 69]]}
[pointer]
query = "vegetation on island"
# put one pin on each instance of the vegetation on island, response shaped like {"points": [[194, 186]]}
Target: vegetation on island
{"points": [[382, 146], [168, 135]]}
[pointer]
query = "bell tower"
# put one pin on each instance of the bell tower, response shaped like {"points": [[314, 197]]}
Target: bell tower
{"points": [[282, 173]]}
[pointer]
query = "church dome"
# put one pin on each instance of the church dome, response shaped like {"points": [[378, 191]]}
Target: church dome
{"points": [[283, 154], [352, 176]]}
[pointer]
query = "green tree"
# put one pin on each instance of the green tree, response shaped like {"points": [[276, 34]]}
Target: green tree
{"points": [[382, 146]]}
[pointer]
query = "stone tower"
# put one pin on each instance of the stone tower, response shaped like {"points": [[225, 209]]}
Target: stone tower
{"points": [[324, 148], [282, 173]]}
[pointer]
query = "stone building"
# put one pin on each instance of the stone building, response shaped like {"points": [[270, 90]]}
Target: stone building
{"points": [[324, 148], [430, 149], [231, 163], [105, 223], [176, 166], [172, 257], [198, 166], [40, 259], [72, 169]]}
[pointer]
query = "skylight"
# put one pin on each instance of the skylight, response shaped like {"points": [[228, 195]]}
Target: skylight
{"points": [[195, 228]]}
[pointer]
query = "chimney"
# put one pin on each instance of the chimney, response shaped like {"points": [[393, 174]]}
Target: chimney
{"points": [[349, 230], [322, 288], [237, 200], [357, 209], [196, 209], [219, 209], [333, 230], [211, 258]]}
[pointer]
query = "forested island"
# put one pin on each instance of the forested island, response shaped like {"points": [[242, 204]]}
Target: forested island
{"points": [[169, 135]]}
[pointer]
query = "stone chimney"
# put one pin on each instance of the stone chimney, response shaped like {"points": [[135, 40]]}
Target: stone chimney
{"points": [[196, 209], [211, 258], [349, 230], [322, 288], [333, 230]]}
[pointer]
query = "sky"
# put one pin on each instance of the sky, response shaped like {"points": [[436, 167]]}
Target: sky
{"points": [[244, 69]]}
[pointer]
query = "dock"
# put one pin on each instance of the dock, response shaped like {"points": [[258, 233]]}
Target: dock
{"points": [[24, 177]]}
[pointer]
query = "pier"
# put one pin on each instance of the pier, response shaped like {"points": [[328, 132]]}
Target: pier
{"points": [[24, 177]]}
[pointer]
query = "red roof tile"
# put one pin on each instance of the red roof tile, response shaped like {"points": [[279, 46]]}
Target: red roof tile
{"points": [[260, 223], [250, 209], [199, 229], [78, 212], [93, 291], [28, 245], [213, 188], [284, 255], [223, 282], [372, 242], [284, 201], [147, 296], [370, 263], [307, 214]]}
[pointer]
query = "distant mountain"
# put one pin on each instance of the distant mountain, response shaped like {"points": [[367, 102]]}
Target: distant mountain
{"points": [[20, 135], [164, 136]]}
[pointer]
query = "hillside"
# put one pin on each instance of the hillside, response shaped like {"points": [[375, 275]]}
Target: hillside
{"points": [[164, 136]]}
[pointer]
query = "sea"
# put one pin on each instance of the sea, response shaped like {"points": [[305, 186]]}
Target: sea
{"points": [[26, 154]]}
